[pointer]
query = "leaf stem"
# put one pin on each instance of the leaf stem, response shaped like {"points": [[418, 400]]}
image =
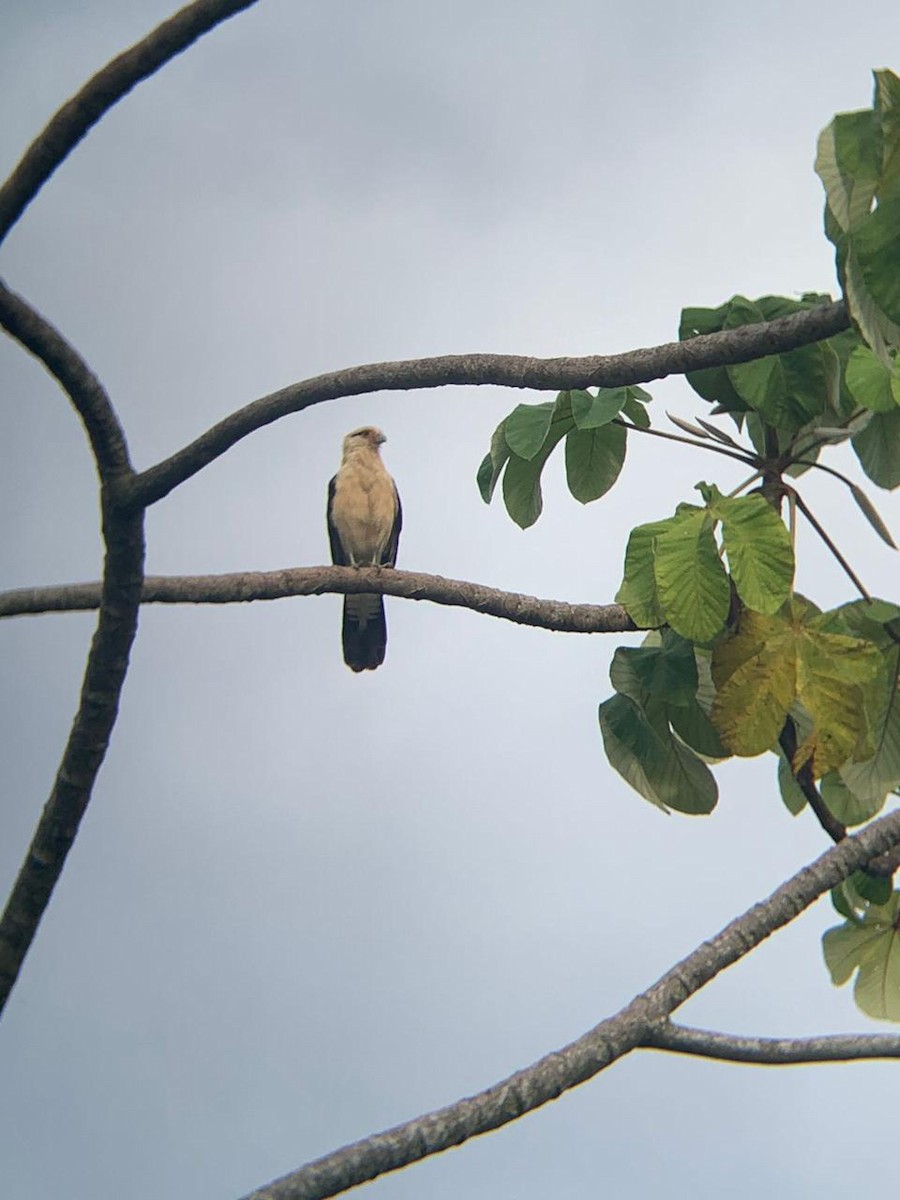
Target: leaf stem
{"points": [[851, 574], [750, 460]]}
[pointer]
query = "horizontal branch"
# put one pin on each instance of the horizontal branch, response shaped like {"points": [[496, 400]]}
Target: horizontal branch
{"points": [[76, 117], [244, 586], [731, 1047], [504, 370], [604, 1044]]}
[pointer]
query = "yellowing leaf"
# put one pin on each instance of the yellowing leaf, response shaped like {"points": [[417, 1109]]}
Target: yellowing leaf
{"points": [[755, 676], [774, 660]]}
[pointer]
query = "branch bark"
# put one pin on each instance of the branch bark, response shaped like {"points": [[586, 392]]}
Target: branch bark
{"points": [[244, 586], [76, 117], [503, 370], [85, 391], [107, 662], [731, 1047], [597, 1049]]}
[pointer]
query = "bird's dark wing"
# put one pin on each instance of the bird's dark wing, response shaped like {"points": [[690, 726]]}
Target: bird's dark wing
{"points": [[389, 557], [338, 554]]}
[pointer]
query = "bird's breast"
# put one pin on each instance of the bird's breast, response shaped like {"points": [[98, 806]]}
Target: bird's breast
{"points": [[363, 511]]}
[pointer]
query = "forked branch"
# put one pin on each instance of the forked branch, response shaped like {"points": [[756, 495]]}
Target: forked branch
{"points": [[635, 1026]]}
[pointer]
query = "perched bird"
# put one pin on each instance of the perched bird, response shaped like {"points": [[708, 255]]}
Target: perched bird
{"points": [[364, 519]]}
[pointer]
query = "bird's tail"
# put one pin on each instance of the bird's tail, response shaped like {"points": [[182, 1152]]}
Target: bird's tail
{"points": [[364, 631]]}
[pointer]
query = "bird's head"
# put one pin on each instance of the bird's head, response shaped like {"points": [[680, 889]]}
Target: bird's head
{"points": [[368, 437]]}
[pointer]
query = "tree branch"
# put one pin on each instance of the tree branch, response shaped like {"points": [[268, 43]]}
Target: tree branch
{"points": [[503, 370], [730, 1047], [107, 661], [805, 779], [87, 394], [604, 1044], [76, 117], [244, 586], [884, 865]]}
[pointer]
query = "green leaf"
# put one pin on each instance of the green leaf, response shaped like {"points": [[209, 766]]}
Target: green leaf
{"points": [[878, 449], [692, 584], [877, 246], [887, 110], [697, 731], [848, 161], [636, 413], [712, 383], [652, 761], [872, 780], [527, 427], [638, 594], [791, 792], [594, 458], [590, 412], [849, 808], [788, 390], [760, 554], [843, 905], [522, 479], [667, 671], [493, 463], [871, 382], [876, 889], [870, 947], [878, 330]]}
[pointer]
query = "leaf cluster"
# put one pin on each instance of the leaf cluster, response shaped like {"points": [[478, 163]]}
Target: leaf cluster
{"points": [[595, 447], [737, 663]]}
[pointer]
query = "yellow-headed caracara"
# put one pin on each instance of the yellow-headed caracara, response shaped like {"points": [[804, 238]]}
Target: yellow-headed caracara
{"points": [[364, 519]]}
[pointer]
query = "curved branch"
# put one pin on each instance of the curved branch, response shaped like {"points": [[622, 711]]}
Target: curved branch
{"points": [[590, 1054], [107, 661], [504, 370], [731, 1047], [76, 117], [244, 586], [83, 388], [805, 780], [104, 675]]}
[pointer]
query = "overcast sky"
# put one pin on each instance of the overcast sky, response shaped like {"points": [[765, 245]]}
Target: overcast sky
{"points": [[306, 905]]}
